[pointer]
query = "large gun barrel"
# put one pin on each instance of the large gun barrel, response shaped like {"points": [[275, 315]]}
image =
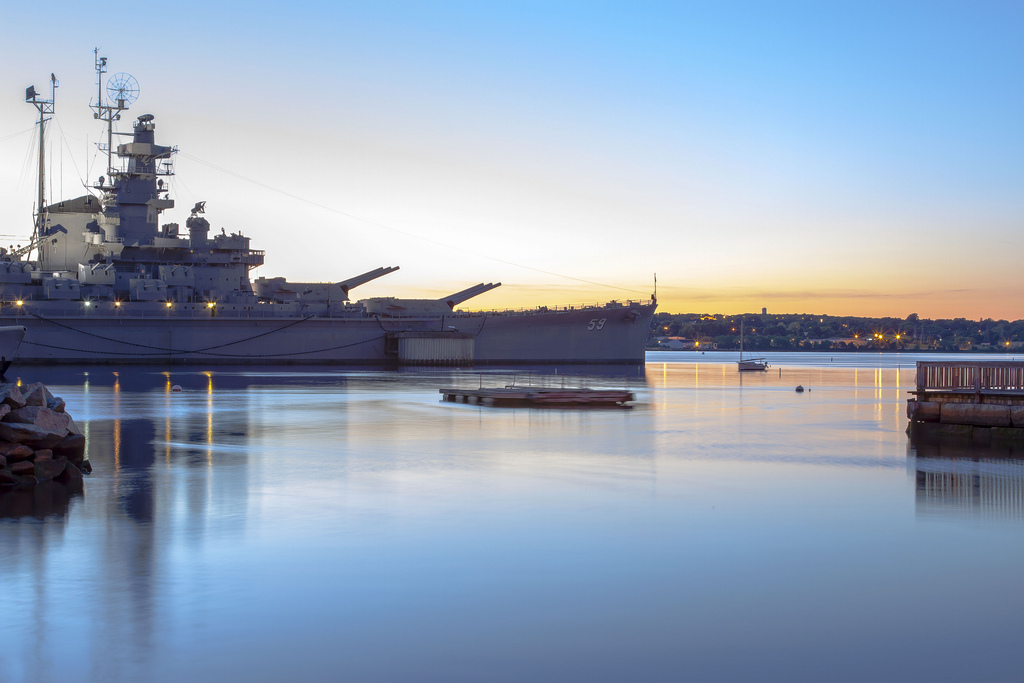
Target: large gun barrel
{"points": [[364, 278], [466, 294]]}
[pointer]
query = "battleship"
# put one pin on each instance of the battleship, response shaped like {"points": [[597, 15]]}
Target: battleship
{"points": [[103, 280]]}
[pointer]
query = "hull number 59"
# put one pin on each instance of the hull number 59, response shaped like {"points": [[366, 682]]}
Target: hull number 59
{"points": [[596, 324]]}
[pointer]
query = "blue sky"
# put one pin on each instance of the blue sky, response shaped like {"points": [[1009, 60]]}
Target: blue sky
{"points": [[860, 158]]}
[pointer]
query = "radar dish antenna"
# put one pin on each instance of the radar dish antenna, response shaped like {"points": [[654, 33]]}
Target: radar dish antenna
{"points": [[123, 89]]}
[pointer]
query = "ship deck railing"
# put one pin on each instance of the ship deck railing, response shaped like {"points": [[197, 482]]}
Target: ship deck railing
{"points": [[158, 309], [604, 306]]}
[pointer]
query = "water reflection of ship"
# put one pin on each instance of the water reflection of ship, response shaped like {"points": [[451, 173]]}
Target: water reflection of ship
{"points": [[179, 473], [167, 459], [983, 480], [150, 430]]}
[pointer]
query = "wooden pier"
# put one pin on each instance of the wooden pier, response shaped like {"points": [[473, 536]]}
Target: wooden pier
{"points": [[540, 397], [973, 400]]}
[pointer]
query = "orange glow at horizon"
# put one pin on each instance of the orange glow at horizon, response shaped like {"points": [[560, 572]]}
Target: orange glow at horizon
{"points": [[1007, 304]]}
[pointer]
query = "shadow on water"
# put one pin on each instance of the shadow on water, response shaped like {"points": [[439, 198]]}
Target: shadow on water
{"points": [[46, 499]]}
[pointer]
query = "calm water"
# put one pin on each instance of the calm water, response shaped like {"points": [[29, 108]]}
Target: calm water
{"points": [[283, 524]]}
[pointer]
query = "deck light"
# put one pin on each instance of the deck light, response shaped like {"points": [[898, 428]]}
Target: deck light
{"points": [[88, 304], [168, 304], [19, 302], [209, 305], [117, 304]]}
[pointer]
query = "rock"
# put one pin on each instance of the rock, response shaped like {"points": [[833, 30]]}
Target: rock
{"points": [[799, 388], [7, 478], [40, 417], [11, 396], [23, 468], [43, 453], [30, 435], [977, 414], [72, 447], [176, 387], [86, 467], [34, 394], [3, 462], [72, 427], [15, 451], [70, 473], [4, 409], [48, 468], [27, 481], [56, 404]]}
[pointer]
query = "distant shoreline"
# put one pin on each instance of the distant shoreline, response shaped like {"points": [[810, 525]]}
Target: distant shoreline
{"points": [[987, 352]]}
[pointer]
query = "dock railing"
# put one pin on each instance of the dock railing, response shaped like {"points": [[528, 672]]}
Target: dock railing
{"points": [[964, 376]]}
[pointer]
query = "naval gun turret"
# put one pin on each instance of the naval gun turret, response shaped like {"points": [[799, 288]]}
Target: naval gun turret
{"points": [[279, 290], [468, 293], [391, 306]]}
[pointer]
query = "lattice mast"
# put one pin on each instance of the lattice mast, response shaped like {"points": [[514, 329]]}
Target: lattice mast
{"points": [[45, 108]]}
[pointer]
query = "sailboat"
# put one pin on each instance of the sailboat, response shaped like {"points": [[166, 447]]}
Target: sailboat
{"points": [[750, 364]]}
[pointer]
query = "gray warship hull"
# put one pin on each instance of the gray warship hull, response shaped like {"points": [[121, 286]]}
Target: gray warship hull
{"points": [[112, 283], [568, 336]]}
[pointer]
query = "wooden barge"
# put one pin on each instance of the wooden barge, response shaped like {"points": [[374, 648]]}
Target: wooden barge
{"points": [[540, 397]]}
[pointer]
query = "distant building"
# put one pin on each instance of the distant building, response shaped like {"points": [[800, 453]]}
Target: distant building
{"points": [[764, 311], [683, 344]]}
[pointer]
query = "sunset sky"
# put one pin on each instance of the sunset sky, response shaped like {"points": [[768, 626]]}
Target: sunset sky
{"points": [[849, 158]]}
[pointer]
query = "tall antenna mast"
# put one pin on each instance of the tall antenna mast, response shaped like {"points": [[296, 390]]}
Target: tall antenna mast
{"points": [[123, 89], [45, 107], [103, 112]]}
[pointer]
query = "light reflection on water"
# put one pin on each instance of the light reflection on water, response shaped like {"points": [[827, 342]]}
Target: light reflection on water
{"points": [[282, 524]]}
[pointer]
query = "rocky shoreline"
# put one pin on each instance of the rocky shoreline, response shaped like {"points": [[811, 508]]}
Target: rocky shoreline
{"points": [[39, 441]]}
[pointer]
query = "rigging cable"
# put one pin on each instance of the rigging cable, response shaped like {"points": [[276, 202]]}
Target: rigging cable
{"points": [[64, 139], [162, 350], [397, 230], [210, 353], [14, 135]]}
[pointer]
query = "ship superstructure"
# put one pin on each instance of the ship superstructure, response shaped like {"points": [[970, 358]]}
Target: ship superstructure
{"points": [[111, 282]]}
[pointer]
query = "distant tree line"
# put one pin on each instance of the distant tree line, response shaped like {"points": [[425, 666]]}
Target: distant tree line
{"points": [[793, 332]]}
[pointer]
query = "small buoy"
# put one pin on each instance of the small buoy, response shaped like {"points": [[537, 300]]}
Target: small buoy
{"points": [[176, 387], [799, 388]]}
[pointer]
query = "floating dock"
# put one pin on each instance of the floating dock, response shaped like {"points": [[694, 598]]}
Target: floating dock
{"points": [[540, 397], [976, 401]]}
